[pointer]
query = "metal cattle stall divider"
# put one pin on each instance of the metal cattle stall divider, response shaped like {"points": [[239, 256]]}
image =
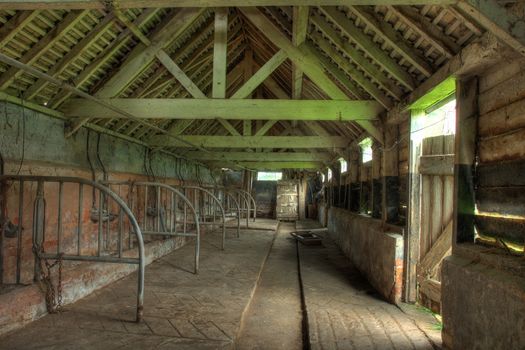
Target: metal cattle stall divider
{"points": [[156, 211], [226, 197], [206, 203], [70, 242], [247, 200]]}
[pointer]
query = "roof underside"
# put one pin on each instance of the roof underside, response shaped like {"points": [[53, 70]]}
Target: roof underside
{"points": [[377, 53]]}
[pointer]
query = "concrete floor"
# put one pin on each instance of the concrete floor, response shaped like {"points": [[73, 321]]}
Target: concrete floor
{"points": [[247, 297]]}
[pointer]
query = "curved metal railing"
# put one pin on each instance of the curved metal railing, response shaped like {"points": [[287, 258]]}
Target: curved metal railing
{"points": [[156, 206], [206, 209], [72, 241]]}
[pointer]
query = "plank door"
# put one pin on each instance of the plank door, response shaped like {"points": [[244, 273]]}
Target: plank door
{"points": [[436, 171]]}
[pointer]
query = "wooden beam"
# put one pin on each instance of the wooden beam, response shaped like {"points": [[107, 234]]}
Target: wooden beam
{"points": [[75, 52], [426, 29], [393, 38], [503, 21], [96, 4], [44, 43], [179, 74], [226, 124], [366, 44], [220, 48], [355, 55], [467, 114], [15, 23], [260, 76], [356, 74], [305, 60], [212, 141], [227, 109], [265, 128], [263, 156], [102, 58], [299, 30], [141, 56], [269, 165]]}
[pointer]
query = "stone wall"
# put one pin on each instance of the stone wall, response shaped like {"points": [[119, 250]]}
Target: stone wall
{"points": [[375, 250]]}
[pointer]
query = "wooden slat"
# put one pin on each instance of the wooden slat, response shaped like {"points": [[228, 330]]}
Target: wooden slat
{"points": [[440, 249], [300, 28], [43, 44], [436, 165], [432, 289]]}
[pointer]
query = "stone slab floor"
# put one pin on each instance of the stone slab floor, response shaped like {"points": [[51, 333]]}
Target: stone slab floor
{"points": [[247, 297]]}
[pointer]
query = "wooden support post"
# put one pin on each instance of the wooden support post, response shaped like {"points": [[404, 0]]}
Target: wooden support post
{"points": [[353, 168], [465, 149], [390, 174], [376, 180], [220, 53]]}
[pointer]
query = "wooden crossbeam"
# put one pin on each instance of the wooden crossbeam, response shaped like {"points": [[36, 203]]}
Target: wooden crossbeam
{"points": [[97, 4], [238, 109], [141, 56], [268, 165], [262, 157], [265, 128], [213, 141], [220, 53], [227, 125], [305, 60], [255, 80]]}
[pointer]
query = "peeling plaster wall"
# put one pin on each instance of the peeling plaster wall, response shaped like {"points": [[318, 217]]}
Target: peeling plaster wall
{"points": [[40, 141], [45, 144]]}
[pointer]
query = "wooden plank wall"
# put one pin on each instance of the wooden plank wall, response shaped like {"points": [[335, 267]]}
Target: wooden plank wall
{"points": [[500, 175]]}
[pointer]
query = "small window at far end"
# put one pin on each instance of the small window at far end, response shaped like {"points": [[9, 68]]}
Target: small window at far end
{"points": [[366, 149], [269, 176], [344, 165]]}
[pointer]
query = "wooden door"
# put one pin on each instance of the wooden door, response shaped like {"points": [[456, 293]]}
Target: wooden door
{"points": [[436, 171]]}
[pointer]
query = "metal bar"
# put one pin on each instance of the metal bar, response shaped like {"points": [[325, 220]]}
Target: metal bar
{"points": [[169, 234], [80, 210], [19, 237], [108, 259], [59, 218], [99, 223], [120, 227], [158, 209], [108, 234], [145, 228]]}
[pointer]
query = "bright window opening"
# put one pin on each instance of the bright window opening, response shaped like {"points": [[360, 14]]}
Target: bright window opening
{"points": [[329, 174], [267, 176], [344, 165], [323, 177], [366, 149]]}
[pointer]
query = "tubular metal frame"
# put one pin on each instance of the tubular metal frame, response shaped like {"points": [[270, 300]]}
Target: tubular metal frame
{"points": [[157, 228], [39, 219], [203, 215]]}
